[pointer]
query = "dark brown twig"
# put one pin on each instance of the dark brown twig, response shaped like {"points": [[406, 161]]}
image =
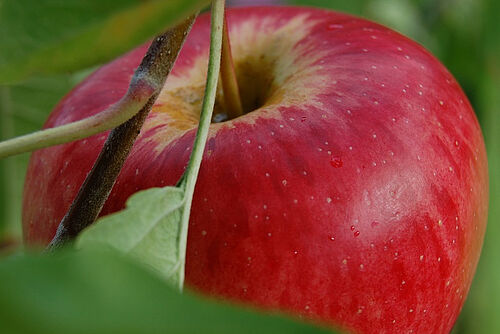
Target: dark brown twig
{"points": [[148, 79]]}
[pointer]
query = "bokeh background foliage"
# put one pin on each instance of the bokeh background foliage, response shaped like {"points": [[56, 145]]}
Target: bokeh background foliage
{"points": [[99, 292], [42, 42]]}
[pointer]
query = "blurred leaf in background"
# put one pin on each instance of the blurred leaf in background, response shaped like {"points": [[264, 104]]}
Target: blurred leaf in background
{"points": [[54, 36], [480, 314], [96, 291], [23, 109]]}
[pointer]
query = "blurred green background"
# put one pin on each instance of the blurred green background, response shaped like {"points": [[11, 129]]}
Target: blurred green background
{"points": [[463, 34]]}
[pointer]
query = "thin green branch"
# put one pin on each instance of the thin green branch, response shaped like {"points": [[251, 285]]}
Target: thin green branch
{"points": [[115, 115], [188, 181], [143, 86]]}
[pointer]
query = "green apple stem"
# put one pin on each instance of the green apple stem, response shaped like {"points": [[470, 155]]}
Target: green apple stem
{"points": [[230, 88], [152, 72]]}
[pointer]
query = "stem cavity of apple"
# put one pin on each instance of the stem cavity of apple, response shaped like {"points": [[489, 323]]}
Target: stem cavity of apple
{"points": [[230, 87], [145, 85]]}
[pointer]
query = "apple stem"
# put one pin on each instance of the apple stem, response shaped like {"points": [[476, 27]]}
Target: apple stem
{"points": [[230, 88], [146, 84]]}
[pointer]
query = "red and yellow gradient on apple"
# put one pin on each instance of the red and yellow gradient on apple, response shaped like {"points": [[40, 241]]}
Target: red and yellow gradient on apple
{"points": [[352, 192]]}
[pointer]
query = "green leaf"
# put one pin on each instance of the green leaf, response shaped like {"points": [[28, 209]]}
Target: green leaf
{"points": [[54, 36], [96, 291], [148, 229]]}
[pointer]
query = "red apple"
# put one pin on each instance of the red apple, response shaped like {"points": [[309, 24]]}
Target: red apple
{"points": [[353, 191]]}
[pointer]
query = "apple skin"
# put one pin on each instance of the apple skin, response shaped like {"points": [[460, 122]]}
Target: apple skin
{"points": [[355, 195]]}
